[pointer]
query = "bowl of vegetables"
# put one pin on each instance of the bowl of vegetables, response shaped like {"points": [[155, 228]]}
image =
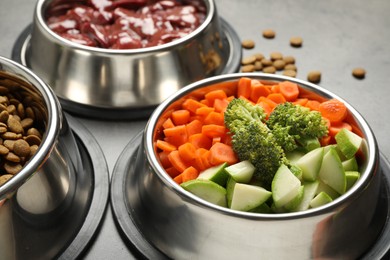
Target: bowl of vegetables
{"points": [[116, 57], [257, 166]]}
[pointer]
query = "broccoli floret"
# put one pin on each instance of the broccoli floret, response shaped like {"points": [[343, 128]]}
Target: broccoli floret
{"points": [[292, 125], [243, 111], [253, 141]]}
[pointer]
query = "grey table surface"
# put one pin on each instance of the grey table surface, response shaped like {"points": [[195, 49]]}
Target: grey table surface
{"points": [[338, 36]]}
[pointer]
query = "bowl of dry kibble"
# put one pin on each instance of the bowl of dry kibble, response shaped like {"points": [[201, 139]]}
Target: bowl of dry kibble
{"points": [[118, 56], [39, 162]]}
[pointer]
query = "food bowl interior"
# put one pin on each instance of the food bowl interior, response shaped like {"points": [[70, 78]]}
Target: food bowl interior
{"points": [[47, 190], [84, 76], [322, 231]]}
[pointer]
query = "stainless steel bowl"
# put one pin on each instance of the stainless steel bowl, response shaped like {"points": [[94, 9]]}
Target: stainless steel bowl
{"points": [[88, 78], [183, 226], [37, 201]]}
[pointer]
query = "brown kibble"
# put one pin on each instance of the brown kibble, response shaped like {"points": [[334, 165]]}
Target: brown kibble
{"points": [[248, 60], [248, 68], [33, 139], [33, 149], [9, 144], [3, 150], [27, 123], [248, 44], [258, 66], [289, 59], [14, 125], [296, 41], [4, 116], [11, 157], [21, 148], [12, 168], [359, 73], [269, 34], [269, 69], [266, 62], [290, 73], [34, 131], [259, 56], [314, 76], [290, 67], [11, 136], [4, 178], [276, 56], [279, 64]]}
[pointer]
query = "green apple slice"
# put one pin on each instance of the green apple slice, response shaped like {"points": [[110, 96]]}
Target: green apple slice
{"points": [[310, 164], [229, 190], [241, 172], [332, 172], [207, 190], [352, 177], [320, 199], [350, 164], [247, 197], [263, 208], [292, 204], [216, 174], [309, 191], [348, 142], [328, 190], [285, 186]]}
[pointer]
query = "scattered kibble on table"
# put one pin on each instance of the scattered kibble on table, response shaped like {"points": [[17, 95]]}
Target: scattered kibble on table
{"points": [[278, 62], [314, 76], [269, 34], [296, 41], [248, 44], [359, 73]]}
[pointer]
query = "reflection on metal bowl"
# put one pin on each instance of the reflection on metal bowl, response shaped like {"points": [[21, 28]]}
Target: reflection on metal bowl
{"points": [[181, 225], [127, 79], [37, 201]]}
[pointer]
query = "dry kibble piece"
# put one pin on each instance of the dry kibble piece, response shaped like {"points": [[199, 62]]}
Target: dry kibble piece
{"points": [[11, 157], [259, 56], [279, 64], [33, 149], [248, 68], [34, 131], [14, 125], [258, 66], [248, 60], [248, 44], [12, 168], [289, 59], [21, 148], [4, 116], [296, 41], [3, 150], [314, 76], [266, 62], [4, 178], [290, 73], [269, 34], [9, 144], [290, 67], [269, 69], [276, 56], [32, 140], [11, 136], [359, 73]]}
